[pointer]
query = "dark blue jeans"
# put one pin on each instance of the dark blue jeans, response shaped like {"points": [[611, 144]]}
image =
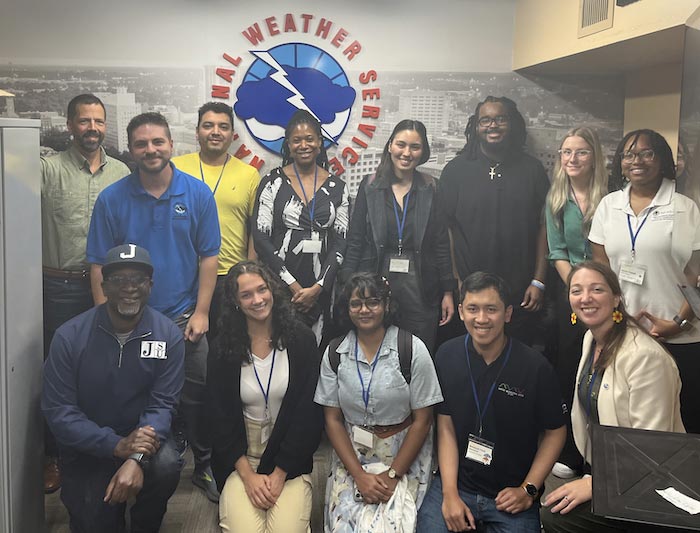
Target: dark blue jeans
{"points": [[488, 518], [85, 480], [63, 299]]}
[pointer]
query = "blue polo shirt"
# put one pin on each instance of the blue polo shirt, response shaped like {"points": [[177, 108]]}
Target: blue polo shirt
{"points": [[177, 229]]}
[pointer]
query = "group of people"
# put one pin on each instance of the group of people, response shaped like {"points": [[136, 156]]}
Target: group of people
{"points": [[242, 316]]}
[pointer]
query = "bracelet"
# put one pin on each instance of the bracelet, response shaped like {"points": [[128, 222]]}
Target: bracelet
{"points": [[537, 283]]}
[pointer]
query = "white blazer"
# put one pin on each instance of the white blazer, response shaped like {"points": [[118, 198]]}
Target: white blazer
{"points": [[640, 389]]}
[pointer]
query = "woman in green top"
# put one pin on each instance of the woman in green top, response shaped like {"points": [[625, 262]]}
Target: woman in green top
{"points": [[579, 182]]}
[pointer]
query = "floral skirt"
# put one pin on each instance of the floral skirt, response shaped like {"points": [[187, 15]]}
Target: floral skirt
{"points": [[342, 511]]}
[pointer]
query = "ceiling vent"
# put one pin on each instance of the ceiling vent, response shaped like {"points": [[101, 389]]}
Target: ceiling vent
{"points": [[594, 16]]}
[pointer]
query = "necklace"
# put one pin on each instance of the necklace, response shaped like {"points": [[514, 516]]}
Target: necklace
{"points": [[492, 172]]}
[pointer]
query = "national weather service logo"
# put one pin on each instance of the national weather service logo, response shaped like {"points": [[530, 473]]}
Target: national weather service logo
{"points": [[289, 77]]}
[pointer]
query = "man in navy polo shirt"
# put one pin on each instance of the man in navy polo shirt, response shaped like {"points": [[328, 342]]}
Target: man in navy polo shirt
{"points": [[501, 426], [173, 215]]}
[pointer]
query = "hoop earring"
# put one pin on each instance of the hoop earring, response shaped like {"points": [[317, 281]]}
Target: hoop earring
{"points": [[617, 316], [573, 319]]}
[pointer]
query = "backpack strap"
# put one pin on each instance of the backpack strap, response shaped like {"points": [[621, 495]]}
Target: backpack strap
{"points": [[405, 345], [333, 355]]}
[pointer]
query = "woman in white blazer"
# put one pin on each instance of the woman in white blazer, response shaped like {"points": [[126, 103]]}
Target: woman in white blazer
{"points": [[625, 378]]}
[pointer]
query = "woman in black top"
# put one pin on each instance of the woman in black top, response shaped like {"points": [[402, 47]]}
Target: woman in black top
{"points": [[300, 220], [396, 231], [262, 374]]}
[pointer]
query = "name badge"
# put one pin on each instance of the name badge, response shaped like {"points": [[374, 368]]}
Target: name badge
{"points": [[479, 450], [362, 437], [397, 264], [310, 246], [632, 273], [153, 350], [265, 431]]}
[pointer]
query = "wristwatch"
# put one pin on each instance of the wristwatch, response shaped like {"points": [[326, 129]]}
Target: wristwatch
{"points": [[530, 489], [682, 323], [140, 458], [392, 474]]}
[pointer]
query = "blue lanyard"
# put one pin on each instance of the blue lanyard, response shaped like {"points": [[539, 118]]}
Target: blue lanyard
{"points": [[400, 224], [365, 393], [201, 172], [266, 392], [493, 385], [312, 208], [633, 236]]}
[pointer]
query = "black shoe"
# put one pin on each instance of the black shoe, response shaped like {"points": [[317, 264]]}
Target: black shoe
{"points": [[204, 479]]}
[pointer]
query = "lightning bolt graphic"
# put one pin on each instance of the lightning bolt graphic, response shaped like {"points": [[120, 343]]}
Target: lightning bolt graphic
{"points": [[280, 77]]}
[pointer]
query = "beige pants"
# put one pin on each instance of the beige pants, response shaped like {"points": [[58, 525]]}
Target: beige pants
{"points": [[290, 514]]}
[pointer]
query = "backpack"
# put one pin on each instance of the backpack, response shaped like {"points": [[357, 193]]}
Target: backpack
{"points": [[405, 346]]}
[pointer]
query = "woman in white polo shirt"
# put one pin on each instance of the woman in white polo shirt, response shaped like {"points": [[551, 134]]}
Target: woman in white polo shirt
{"points": [[650, 236]]}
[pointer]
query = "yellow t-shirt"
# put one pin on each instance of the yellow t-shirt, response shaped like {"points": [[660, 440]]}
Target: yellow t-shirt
{"points": [[235, 198]]}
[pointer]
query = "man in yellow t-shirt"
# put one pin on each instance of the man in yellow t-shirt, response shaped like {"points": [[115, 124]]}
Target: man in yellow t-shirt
{"points": [[234, 185]]}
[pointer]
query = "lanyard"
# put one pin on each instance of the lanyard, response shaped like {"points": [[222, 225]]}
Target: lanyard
{"points": [[312, 208], [266, 392], [400, 224], [633, 235], [365, 393], [591, 382], [201, 172], [493, 385]]}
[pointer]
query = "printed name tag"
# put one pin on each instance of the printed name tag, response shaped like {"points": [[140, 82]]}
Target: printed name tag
{"points": [[265, 431], [479, 450], [632, 273], [397, 264], [153, 350], [311, 246], [362, 437], [659, 215]]}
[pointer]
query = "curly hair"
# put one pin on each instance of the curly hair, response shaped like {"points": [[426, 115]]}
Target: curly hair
{"points": [[370, 285], [661, 150], [233, 339], [516, 137], [304, 117]]}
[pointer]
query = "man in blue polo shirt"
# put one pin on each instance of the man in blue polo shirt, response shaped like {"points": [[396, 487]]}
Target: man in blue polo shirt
{"points": [[174, 216], [500, 427]]}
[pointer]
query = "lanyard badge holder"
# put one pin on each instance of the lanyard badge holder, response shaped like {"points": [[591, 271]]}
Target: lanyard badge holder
{"points": [[479, 449], [362, 436], [631, 271], [267, 424], [312, 245], [398, 263]]}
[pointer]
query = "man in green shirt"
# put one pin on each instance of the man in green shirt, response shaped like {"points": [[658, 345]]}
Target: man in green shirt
{"points": [[70, 183]]}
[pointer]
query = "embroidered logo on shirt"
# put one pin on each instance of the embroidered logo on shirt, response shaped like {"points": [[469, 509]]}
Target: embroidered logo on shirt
{"points": [[180, 210], [153, 350], [511, 391]]}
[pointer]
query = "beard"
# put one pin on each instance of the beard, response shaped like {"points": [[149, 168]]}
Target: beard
{"points": [[152, 170], [88, 142], [129, 310]]}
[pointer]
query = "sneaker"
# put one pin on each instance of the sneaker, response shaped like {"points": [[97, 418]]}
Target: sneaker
{"points": [[563, 471], [204, 479]]}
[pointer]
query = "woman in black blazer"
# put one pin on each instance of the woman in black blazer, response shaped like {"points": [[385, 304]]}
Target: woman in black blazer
{"points": [[265, 427], [396, 231]]}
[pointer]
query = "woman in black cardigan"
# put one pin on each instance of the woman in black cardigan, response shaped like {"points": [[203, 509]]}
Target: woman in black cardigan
{"points": [[396, 231], [262, 374]]}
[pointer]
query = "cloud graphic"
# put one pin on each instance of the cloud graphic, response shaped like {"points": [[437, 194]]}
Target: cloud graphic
{"points": [[266, 100]]}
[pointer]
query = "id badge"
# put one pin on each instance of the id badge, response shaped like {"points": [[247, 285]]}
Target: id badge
{"points": [[479, 450], [265, 429], [362, 437], [632, 273], [399, 264], [312, 245]]}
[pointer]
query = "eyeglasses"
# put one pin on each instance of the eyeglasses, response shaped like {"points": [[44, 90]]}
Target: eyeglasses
{"points": [[580, 154], [644, 155], [499, 120], [371, 303], [123, 281]]}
